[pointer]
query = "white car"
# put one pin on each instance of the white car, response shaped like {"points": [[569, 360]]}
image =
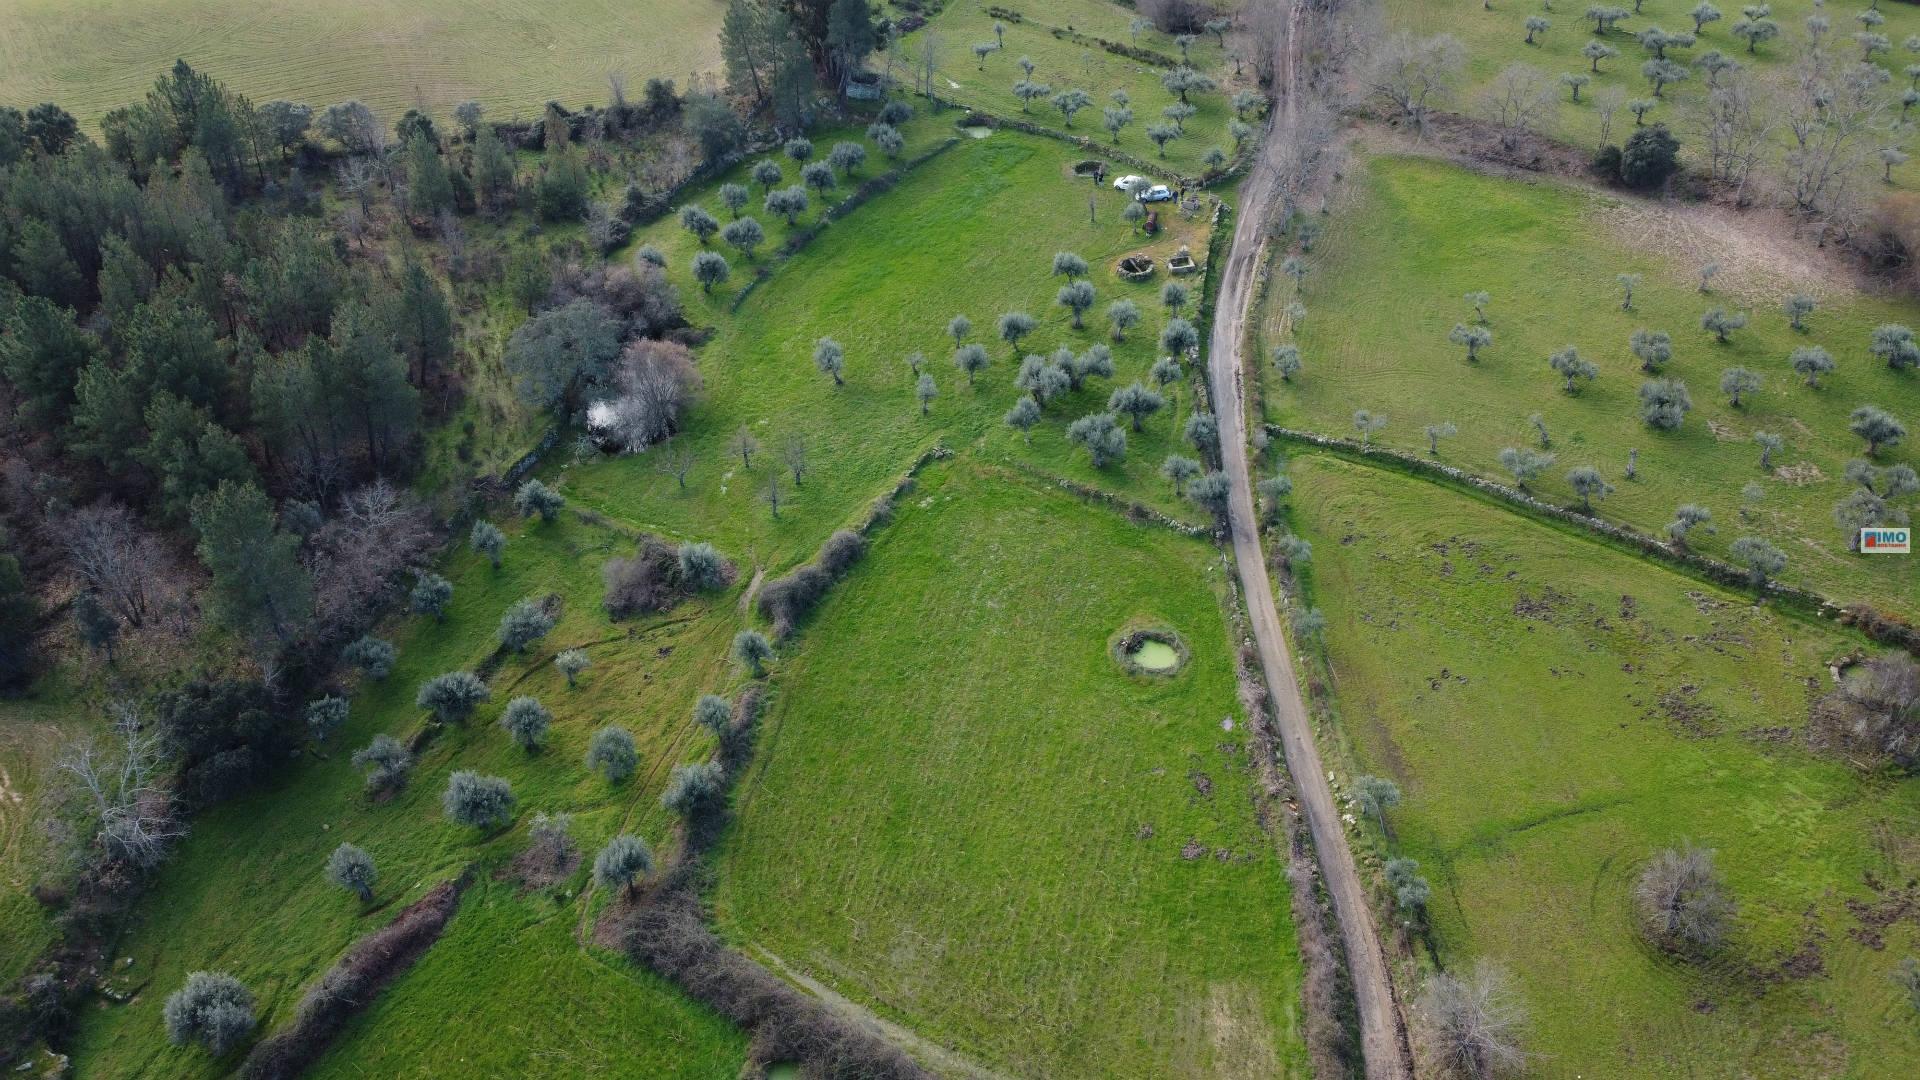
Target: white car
{"points": [[1156, 193], [1130, 183]]}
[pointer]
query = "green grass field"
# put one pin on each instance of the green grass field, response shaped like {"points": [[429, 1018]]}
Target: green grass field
{"points": [[1495, 38], [1420, 234], [968, 817], [1063, 63], [972, 231], [245, 893], [1555, 712], [92, 56]]}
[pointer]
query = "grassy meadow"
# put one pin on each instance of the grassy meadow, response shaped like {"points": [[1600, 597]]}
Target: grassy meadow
{"points": [[93, 56], [965, 815], [1419, 234], [245, 893], [1556, 712], [1496, 37], [1063, 63], [972, 231]]}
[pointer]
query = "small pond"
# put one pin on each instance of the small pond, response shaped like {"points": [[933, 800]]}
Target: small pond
{"points": [[1155, 655], [978, 131]]}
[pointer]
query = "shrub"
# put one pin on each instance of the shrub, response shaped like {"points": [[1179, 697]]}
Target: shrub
{"points": [[611, 753], [1875, 712], [352, 869], [386, 762], [212, 1009], [452, 697], [648, 582], [373, 656], [487, 539], [527, 721], [1651, 155], [477, 801], [526, 622], [787, 600], [1683, 903]]}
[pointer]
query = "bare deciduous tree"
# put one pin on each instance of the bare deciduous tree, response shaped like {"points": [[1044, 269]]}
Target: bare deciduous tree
{"points": [[119, 779], [1415, 76]]}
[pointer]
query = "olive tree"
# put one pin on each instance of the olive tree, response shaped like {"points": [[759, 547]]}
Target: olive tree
{"points": [[1652, 348], [1175, 295], [326, 715], [1686, 518], [1737, 383], [1013, 326], [612, 754], [1721, 323], [487, 539], [1664, 403], [1179, 469], [702, 567], [535, 498], [1474, 338], [1587, 483], [1797, 307], [1810, 362], [622, 863], [1077, 297], [1682, 900], [1375, 795], [752, 651], [710, 268], [478, 802], [1436, 432], [1069, 265], [1165, 372], [1210, 491], [744, 235], [1136, 402], [1761, 559], [1572, 368], [526, 622], [1479, 300], [431, 594], [1023, 416], [788, 202], [213, 1009], [972, 359], [924, 391], [1286, 361], [351, 868], [693, 788], [1627, 282], [697, 221], [1122, 316], [527, 721], [1769, 444], [1525, 463], [1894, 344], [958, 328], [1105, 441], [1367, 424], [1877, 426], [386, 762], [831, 359], [1178, 337], [452, 697], [373, 656]]}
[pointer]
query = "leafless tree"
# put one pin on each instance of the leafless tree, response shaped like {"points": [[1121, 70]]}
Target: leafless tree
{"points": [[654, 383], [1834, 122], [1470, 1028], [359, 176], [1735, 124], [794, 452], [676, 460], [1682, 899], [356, 557], [119, 781], [1415, 76], [131, 571], [1519, 100]]}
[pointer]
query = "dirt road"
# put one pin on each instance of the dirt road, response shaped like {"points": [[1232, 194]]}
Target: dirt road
{"points": [[1382, 1033]]}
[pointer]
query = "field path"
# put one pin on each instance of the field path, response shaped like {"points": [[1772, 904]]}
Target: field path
{"points": [[1382, 1031]]}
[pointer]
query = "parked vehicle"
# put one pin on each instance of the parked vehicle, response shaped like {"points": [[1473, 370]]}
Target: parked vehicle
{"points": [[1156, 193]]}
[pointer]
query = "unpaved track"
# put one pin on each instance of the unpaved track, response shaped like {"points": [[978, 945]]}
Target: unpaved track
{"points": [[1382, 1032]]}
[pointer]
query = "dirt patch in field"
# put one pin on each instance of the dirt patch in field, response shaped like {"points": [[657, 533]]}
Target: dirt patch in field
{"points": [[1684, 712], [1724, 433], [1760, 258], [1894, 906], [1233, 1023], [1544, 606], [1799, 474]]}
